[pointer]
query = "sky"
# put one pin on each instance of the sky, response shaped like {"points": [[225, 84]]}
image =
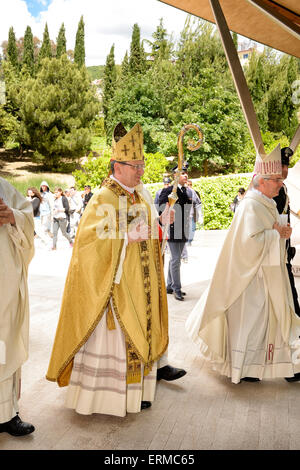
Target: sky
{"points": [[107, 22]]}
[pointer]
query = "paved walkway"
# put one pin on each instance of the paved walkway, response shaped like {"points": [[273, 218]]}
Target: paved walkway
{"points": [[200, 411]]}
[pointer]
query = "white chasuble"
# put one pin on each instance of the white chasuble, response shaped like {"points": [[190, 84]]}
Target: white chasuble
{"points": [[244, 323]]}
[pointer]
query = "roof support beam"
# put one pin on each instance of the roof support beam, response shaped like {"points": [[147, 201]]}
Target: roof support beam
{"points": [[295, 140], [239, 77], [276, 16]]}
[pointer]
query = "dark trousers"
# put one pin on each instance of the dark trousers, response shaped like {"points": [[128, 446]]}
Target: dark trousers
{"points": [[294, 290], [174, 281], [62, 225]]}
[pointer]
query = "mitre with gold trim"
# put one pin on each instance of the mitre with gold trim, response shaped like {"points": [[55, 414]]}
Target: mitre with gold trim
{"points": [[127, 146]]}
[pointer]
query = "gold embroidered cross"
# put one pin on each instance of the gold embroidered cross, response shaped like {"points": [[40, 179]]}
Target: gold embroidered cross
{"points": [[125, 150]]}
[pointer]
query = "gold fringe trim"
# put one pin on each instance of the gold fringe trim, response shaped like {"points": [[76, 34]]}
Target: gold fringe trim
{"points": [[110, 322], [133, 375]]}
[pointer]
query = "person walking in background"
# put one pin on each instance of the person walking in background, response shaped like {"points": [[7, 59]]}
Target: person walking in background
{"points": [[36, 199], [46, 208], [196, 212], [87, 195], [60, 212], [238, 198], [167, 182], [195, 216], [76, 204]]}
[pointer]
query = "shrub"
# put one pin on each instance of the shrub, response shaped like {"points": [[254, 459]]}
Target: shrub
{"points": [[217, 193], [95, 169], [156, 164]]}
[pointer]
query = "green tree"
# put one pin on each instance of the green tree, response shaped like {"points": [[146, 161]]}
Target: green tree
{"points": [[137, 101], [258, 85], [137, 62], [200, 48], [79, 51], [28, 55], [161, 47], [282, 112], [217, 111], [12, 52], [235, 40], [8, 126], [125, 67], [61, 43], [110, 80], [45, 50], [57, 110]]}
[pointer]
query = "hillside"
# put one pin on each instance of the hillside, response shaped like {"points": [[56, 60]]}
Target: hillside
{"points": [[96, 71]]}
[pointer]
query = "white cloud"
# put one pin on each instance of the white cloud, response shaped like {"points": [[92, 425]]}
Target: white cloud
{"points": [[106, 22]]}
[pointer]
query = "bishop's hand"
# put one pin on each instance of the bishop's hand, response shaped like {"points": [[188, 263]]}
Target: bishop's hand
{"points": [[284, 231], [139, 232], [167, 216]]}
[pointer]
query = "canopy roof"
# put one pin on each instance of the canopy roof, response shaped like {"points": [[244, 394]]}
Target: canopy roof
{"points": [[273, 23]]}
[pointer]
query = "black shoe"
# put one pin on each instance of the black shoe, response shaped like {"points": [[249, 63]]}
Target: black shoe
{"points": [[178, 296], [250, 379], [169, 373], [296, 378], [170, 291], [145, 404], [16, 427]]}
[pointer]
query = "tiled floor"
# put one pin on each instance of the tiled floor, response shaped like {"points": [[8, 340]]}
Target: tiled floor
{"points": [[200, 411]]}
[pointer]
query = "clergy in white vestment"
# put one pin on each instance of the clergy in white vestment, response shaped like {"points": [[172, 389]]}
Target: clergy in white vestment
{"points": [[16, 251], [244, 323]]}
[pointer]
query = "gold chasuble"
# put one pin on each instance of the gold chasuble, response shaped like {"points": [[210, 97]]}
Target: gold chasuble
{"points": [[139, 298]]}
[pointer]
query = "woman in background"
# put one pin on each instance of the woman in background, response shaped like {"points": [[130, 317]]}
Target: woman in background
{"points": [[34, 196], [60, 216]]}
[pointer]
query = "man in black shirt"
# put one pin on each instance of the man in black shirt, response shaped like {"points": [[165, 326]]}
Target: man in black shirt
{"points": [[179, 231], [87, 195], [283, 207]]}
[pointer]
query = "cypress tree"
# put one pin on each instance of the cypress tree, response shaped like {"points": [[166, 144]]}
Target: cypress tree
{"points": [[137, 55], [235, 40], [125, 66], [79, 52], [160, 46], [28, 54], [61, 43], [110, 79], [45, 50], [12, 53]]}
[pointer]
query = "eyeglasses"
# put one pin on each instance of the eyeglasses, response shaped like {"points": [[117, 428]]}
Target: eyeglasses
{"points": [[277, 180], [136, 167]]}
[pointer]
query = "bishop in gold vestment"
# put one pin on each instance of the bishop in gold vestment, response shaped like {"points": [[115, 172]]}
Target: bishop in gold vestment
{"points": [[113, 325]]}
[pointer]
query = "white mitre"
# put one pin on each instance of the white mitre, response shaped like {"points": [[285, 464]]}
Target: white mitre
{"points": [[269, 164]]}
